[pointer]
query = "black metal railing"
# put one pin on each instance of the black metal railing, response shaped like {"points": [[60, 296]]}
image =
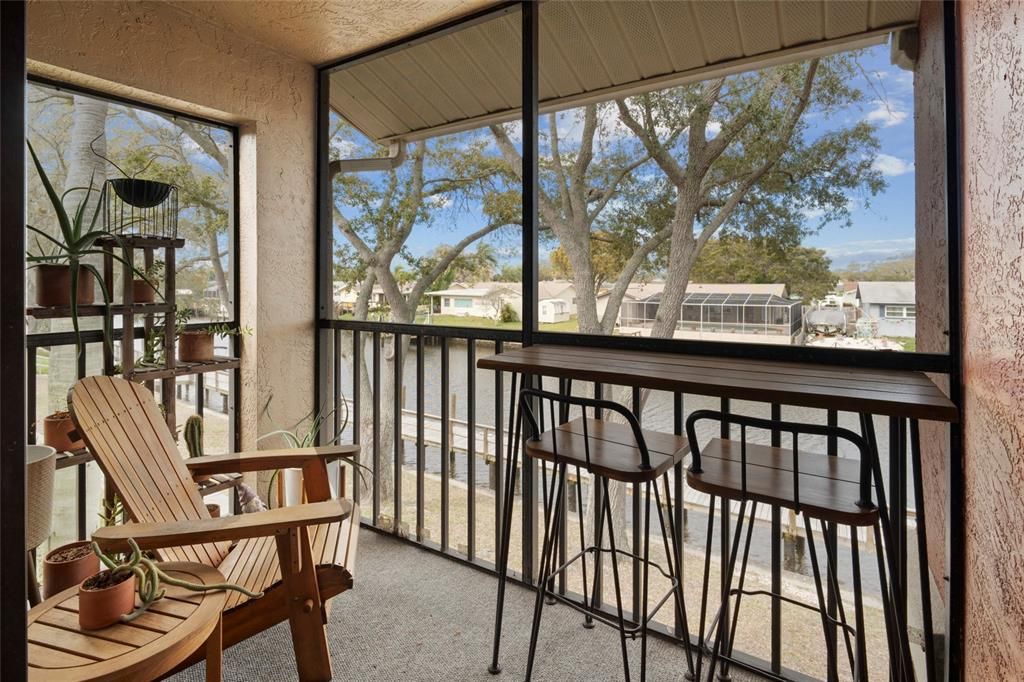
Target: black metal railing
{"points": [[455, 425]]}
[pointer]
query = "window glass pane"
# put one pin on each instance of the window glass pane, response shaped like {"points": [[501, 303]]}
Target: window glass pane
{"points": [[81, 142], [747, 211]]}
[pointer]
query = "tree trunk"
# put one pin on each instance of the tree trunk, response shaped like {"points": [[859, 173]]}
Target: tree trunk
{"points": [[89, 120], [218, 272]]}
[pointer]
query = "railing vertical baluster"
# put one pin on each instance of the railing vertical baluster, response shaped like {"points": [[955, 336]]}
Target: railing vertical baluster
{"points": [[31, 368], [897, 516], [776, 610], [397, 429], [598, 594], [638, 529], [832, 551], [421, 460], [445, 444], [724, 536], [375, 450], [499, 450], [357, 386], [336, 396], [528, 468], [200, 394], [677, 508], [564, 388], [81, 473], [471, 448], [336, 404]]}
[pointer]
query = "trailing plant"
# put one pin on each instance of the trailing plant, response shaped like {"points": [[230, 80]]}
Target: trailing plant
{"points": [[76, 241], [182, 316], [149, 579], [194, 435]]}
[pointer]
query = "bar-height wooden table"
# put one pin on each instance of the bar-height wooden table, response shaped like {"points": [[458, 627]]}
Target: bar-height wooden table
{"points": [[903, 396]]}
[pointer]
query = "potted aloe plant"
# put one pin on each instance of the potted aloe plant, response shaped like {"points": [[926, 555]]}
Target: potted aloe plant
{"points": [[304, 434], [63, 277]]}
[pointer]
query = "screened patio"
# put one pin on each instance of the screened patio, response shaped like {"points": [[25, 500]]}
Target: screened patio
{"points": [[443, 484]]}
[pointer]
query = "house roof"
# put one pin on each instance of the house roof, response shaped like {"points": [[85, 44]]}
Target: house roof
{"points": [[644, 290], [589, 52], [886, 292], [774, 289]]}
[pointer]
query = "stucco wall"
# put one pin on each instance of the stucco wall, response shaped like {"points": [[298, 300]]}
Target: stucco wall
{"points": [[156, 53], [993, 120]]}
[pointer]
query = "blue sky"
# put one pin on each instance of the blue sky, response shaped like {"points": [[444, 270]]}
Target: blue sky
{"points": [[884, 229]]}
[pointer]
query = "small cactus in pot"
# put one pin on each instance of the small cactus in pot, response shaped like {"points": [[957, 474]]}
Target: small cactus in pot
{"points": [[193, 433]]}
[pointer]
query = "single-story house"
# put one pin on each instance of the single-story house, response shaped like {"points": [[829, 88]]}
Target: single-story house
{"points": [[552, 310], [475, 301], [892, 305]]}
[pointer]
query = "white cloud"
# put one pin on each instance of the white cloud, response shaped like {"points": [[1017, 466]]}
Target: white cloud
{"points": [[867, 251], [890, 165], [713, 128], [886, 114]]}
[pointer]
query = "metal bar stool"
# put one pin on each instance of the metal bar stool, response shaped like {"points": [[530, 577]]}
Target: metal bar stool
{"points": [[831, 490], [608, 451]]}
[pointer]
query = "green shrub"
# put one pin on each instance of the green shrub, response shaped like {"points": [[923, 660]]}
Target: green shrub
{"points": [[507, 313]]}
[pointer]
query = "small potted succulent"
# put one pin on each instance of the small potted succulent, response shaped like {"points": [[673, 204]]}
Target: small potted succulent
{"points": [[57, 432], [105, 598], [193, 433], [196, 345], [144, 284], [67, 566]]}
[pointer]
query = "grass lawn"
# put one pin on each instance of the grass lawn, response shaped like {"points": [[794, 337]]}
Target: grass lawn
{"points": [[487, 323], [909, 342]]}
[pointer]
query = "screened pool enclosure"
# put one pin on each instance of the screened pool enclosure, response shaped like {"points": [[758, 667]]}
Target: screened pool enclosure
{"points": [[760, 314]]}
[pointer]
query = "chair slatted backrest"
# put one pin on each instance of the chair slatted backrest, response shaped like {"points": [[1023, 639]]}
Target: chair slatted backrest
{"points": [[129, 439]]}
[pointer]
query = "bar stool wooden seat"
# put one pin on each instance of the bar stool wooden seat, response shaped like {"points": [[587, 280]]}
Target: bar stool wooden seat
{"points": [[833, 490], [608, 451]]}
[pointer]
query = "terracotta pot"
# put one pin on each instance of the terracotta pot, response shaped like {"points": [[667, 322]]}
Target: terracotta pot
{"points": [[98, 609], [214, 510], [55, 433], [195, 347], [60, 575], [143, 291], [53, 285]]}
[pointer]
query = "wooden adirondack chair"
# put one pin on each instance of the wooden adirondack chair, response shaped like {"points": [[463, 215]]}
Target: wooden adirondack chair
{"points": [[299, 556]]}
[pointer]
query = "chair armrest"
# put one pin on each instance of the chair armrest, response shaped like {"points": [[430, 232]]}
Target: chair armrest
{"points": [[262, 460], [200, 531]]}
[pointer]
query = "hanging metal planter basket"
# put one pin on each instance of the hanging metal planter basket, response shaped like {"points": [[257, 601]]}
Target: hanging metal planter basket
{"points": [[141, 193], [141, 208]]}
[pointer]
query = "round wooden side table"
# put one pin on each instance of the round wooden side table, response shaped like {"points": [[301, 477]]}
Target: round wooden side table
{"points": [[150, 646]]}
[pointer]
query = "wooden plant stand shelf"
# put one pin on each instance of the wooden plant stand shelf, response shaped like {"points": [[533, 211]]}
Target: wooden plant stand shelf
{"points": [[145, 649], [183, 368], [98, 310]]}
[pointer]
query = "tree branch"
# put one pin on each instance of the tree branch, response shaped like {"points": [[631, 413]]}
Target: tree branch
{"points": [[428, 278]]}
